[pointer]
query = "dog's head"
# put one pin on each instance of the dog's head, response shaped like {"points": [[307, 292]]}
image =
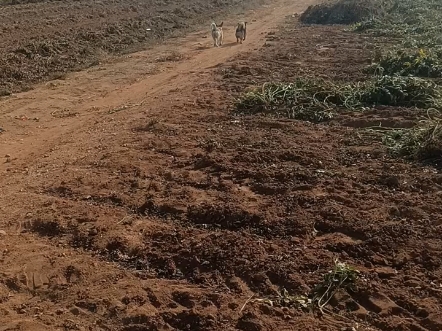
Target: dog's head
{"points": [[220, 26]]}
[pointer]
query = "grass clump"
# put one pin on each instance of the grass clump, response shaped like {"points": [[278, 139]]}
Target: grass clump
{"points": [[404, 62], [341, 12], [421, 143], [318, 100]]}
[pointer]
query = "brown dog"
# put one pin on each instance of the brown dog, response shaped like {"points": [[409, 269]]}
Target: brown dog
{"points": [[217, 34], [240, 32]]}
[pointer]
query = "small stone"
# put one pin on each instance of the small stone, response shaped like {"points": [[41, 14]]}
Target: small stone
{"points": [[265, 309], [412, 283], [394, 211], [2, 233], [173, 305], [386, 272], [390, 181], [211, 317], [60, 311], [75, 311], [7, 155]]}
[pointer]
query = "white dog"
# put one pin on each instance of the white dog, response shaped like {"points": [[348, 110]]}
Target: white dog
{"points": [[217, 34]]}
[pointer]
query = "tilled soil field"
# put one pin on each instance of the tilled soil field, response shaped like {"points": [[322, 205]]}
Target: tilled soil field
{"points": [[147, 205]]}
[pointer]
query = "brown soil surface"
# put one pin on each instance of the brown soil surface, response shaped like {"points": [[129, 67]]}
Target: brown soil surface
{"points": [[46, 39], [132, 199]]}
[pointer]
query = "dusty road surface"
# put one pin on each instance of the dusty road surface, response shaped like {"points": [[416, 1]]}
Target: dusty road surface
{"points": [[44, 39], [132, 199]]}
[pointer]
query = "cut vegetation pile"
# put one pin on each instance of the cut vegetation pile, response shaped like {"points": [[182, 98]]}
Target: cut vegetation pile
{"points": [[341, 12], [423, 142], [419, 54], [318, 100], [406, 74], [406, 62]]}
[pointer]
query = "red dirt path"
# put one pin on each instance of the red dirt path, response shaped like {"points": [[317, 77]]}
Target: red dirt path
{"points": [[132, 199]]}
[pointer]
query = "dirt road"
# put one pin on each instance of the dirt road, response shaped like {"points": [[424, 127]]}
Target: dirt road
{"points": [[81, 155], [61, 107]]}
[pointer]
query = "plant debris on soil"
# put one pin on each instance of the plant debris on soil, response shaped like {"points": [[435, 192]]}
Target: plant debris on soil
{"points": [[422, 142], [405, 73], [342, 12], [317, 101], [418, 54], [418, 63], [341, 277]]}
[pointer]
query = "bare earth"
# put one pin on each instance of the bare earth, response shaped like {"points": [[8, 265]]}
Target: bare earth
{"points": [[132, 199]]}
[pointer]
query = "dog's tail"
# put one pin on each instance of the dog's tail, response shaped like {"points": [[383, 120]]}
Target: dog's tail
{"points": [[213, 26], [245, 30]]}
